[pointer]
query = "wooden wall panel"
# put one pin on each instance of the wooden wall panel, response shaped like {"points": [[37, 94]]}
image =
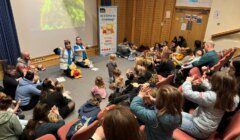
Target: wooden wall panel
{"points": [[157, 19], [143, 21], [129, 19], [138, 22], [121, 24], [147, 21], [167, 22]]}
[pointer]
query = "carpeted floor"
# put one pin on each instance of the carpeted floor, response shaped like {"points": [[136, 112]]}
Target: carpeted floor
{"points": [[80, 88]]}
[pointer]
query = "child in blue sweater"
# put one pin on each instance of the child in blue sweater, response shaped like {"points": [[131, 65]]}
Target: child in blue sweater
{"points": [[161, 121]]}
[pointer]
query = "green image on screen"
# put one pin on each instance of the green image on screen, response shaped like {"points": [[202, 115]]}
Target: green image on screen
{"points": [[62, 14]]}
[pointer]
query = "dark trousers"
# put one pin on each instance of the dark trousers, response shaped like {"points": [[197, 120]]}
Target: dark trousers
{"points": [[34, 100]]}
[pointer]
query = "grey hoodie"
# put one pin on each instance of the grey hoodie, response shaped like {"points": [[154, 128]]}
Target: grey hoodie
{"points": [[10, 127]]}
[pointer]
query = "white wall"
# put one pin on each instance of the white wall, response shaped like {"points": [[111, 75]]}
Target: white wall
{"points": [[228, 19], [39, 43]]}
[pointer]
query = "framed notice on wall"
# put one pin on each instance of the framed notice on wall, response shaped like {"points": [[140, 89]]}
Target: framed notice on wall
{"points": [[107, 29]]}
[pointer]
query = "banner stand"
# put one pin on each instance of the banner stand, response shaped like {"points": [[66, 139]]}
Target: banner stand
{"points": [[107, 16]]}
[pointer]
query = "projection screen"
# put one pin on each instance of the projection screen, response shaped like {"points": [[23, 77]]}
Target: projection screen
{"points": [[43, 25]]}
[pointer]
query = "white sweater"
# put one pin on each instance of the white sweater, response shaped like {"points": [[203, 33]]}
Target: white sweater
{"points": [[205, 117]]}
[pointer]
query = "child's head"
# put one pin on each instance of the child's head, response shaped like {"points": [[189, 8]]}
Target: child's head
{"points": [[99, 81], [5, 102], [140, 70], [112, 57], [187, 51], [96, 100], [225, 86], [122, 121], [149, 64], [116, 72], [139, 61], [169, 100], [48, 85], [59, 87], [2, 95], [199, 53], [53, 117]]}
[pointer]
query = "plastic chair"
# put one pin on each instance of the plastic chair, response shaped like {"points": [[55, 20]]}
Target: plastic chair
{"points": [[166, 81], [47, 137], [62, 131], [87, 132]]}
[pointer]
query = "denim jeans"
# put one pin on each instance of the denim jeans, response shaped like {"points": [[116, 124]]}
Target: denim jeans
{"points": [[190, 127]]}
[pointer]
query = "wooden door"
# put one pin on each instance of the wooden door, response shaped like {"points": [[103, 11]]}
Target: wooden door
{"points": [[195, 21]]}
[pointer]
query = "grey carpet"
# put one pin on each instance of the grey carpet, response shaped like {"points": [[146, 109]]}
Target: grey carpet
{"points": [[80, 88]]}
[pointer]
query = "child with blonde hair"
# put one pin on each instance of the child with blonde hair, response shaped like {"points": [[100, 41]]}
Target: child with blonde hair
{"points": [[118, 84], [60, 88], [99, 87], [111, 65]]}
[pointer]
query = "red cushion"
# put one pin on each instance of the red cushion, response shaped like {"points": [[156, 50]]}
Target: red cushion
{"points": [[47, 137], [180, 135], [62, 131]]}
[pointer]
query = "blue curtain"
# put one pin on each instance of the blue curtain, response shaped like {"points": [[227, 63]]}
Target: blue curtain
{"points": [[106, 3], [9, 46]]}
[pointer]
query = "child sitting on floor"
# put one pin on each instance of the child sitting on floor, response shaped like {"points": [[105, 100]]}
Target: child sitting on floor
{"points": [[99, 87], [118, 84], [59, 87]]}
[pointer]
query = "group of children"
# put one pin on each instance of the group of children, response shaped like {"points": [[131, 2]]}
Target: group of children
{"points": [[138, 100]]}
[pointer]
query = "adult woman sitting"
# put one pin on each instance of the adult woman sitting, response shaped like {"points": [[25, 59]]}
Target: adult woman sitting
{"points": [[165, 66], [10, 126], [10, 82], [41, 123], [66, 57], [54, 98]]}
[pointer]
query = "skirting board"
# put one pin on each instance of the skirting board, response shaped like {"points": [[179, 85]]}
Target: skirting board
{"points": [[52, 59]]}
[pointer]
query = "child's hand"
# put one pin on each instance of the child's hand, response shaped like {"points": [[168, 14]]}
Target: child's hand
{"points": [[148, 99], [144, 90], [204, 68], [55, 110], [190, 79], [18, 102]]}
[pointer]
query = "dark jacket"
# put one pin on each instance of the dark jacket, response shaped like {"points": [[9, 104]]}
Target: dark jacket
{"points": [[165, 68], [89, 110], [48, 128], [10, 85]]}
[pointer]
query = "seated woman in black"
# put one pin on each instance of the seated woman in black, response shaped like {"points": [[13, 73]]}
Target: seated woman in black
{"points": [[10, 82], [41, 123], [52, 97], [165, 66]]}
